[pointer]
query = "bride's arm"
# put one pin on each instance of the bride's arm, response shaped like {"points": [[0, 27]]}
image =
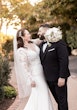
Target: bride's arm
{"points": [[37, 41], [23, 75], [25, 65]]}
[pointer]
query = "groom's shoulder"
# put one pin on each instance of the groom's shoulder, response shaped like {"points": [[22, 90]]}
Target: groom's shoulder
{"points": [[61, 42]]}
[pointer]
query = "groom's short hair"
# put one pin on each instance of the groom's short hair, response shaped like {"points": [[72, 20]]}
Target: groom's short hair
{"points": [[45, 25]]}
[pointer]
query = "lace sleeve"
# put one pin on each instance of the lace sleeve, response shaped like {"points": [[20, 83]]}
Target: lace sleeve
{"points": [[37, 41], [23, 59], [23, 74]]}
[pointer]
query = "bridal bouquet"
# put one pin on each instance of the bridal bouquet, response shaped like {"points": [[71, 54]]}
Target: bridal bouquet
{"points": [[53, 35]]}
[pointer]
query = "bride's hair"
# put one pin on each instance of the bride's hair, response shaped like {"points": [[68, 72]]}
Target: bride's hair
{"points": [[19, 38]]}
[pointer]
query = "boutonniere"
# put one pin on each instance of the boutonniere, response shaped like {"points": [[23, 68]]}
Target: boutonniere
{"points": [[49, 44]]}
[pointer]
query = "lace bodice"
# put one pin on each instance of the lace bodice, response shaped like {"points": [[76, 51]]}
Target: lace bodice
{"points": [[30, 61], [33, 55]]}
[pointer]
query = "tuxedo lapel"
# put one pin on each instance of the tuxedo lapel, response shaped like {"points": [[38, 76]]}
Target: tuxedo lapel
{"points": [[43, 54]]}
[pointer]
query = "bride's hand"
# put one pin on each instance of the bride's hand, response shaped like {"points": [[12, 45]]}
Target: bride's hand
{"points": [[37, 41], [33, 84]]}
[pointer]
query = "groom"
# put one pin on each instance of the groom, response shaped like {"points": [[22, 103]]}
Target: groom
{"points": [[55, 65]]}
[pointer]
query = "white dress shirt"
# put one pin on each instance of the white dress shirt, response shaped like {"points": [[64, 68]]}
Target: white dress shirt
{"points": [[44, 47]]}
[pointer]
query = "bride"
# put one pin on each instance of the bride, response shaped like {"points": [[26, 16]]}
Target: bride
{"points": [[29, 72]]}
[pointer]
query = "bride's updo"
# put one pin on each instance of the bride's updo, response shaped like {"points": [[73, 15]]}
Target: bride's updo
{"points": [[19, 36]]}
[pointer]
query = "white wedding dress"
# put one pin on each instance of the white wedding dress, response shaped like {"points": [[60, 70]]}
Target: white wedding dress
{"points": [[39, 96]]}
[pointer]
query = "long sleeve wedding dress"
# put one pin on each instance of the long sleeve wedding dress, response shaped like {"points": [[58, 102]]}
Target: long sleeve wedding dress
{"points": [[29, 63]]}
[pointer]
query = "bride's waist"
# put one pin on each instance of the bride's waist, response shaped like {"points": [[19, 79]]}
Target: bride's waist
{"points": [[36, 67], [37, 70], [37, 76], [35, 62]]}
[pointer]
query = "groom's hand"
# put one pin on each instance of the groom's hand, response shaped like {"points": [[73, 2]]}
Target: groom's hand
{"points": [[33, 84], [61, 82]]}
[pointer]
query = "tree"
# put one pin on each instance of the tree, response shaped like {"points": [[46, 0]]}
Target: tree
{"points": [[22, 9], [8, 46], [3, 12], [63, 10], [57, 11], [51, 11]]}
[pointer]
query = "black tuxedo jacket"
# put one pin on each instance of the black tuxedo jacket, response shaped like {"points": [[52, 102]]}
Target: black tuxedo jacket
{"points": [[55, 61]]}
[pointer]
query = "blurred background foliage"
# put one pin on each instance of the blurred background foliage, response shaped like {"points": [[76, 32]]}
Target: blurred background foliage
{"points": [[54, 12]]}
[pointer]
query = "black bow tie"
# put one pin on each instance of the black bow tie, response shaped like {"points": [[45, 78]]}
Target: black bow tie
{"points": [[44, 42]]}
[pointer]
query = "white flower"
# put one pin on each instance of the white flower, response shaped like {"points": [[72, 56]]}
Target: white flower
{"points": [[49, 44], [53, 35]]}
